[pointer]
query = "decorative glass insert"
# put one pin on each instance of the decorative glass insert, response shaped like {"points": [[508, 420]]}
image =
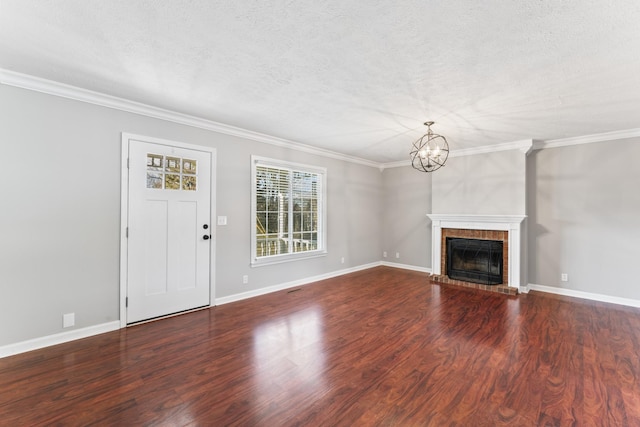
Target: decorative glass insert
{"points": [[173, 164], [171, 182], [189, 182], [154, 180], [188, 166], [171, 173], [154, 161]]}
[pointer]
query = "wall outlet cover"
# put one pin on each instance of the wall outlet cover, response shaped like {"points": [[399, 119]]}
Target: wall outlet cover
{"points": [[68, 320]]}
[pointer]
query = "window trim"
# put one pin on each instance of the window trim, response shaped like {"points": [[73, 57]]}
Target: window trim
{"points": [[322, 212]]}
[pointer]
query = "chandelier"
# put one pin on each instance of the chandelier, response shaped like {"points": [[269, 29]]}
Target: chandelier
{"points": [[430, 152]]}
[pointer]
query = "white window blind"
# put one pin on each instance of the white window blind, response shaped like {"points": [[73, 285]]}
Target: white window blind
{"points": [[288, 210]]}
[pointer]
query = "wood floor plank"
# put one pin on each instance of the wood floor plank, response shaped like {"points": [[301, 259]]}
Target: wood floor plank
{"points": [[381, 347]]}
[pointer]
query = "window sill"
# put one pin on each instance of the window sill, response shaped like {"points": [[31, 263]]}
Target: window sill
{"points": [[279, 259]]}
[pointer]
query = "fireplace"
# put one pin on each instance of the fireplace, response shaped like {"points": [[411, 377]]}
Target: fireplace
{"points": [[505, 229], [474, 260]]}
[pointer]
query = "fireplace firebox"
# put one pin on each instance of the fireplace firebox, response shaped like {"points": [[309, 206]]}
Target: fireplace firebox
{"points": [[474, 260]]}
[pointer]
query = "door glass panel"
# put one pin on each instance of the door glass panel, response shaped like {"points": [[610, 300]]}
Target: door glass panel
{"points": [[169, 172], [173, 164], [172, 182], [188, 166], [154, 180], [154, 161], [189, 182]]}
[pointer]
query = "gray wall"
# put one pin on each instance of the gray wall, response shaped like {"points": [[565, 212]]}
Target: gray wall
{"points": [[60, 222], [59, 226], [406, 227], [482, 184], [353, 204], [584, 208]]}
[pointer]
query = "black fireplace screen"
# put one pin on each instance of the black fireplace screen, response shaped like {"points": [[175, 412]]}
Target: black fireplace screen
{"points": [[473, 260]]}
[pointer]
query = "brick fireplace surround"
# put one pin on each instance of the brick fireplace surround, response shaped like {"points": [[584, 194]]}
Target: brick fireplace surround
{"points": [[506, 229]]}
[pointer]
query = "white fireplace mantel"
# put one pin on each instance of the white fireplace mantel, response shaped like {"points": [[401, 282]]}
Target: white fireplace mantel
{"points": [[513, 224]]}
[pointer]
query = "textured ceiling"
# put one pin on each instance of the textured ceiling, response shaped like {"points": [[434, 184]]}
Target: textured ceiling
{"points": [[357, 78]]}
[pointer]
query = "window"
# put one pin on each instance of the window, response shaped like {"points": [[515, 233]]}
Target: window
{"points": [[288, 211]]}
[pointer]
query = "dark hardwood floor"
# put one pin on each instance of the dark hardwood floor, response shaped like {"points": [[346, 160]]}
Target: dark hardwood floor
{"points": [[378, 347]]}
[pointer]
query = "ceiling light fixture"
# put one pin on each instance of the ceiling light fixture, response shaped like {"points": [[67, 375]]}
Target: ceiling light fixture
{"points": [[430, 152]]}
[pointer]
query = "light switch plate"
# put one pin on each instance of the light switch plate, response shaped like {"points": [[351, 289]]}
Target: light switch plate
{"points": [[222, 220]]}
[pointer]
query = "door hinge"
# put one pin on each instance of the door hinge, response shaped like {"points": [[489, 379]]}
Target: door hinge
{"points": [[126, 301], [127, 163], [126, 232]]}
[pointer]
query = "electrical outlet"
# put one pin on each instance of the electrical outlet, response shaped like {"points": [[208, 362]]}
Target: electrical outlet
{"points": [[384, 254], [397, 254], [342, 260], [564, 277], [68, 320], [245, 279]]}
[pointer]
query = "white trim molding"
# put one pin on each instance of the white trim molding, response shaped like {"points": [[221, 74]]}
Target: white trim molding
{"points": [[60, 338], [62, 90], [258, 162], [292, 284], [524, 145], [529, 145], [72, 335], [513, 224], [398, 164], [313, 279], [50, 87], [406, 267], [585, 295], [588, 139]]}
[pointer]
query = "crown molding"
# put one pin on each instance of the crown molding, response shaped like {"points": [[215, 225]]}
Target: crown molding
{"points": [[523, 145], [588, 139], [529, 145], [398, 164], [50, 87]]}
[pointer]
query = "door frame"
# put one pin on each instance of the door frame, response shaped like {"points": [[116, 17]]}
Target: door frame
{"points": [[124, 214]]}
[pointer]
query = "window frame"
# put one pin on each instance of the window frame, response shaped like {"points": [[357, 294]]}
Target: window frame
{"points": [[257, 161]]}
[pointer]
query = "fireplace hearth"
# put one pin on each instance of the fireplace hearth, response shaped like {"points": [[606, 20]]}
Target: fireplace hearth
{"points": [[474, 260]]}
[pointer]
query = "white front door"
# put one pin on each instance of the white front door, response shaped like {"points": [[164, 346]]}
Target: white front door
{"points": [[169, 233]]}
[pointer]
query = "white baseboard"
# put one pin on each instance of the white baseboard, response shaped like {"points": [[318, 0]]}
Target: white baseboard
{"points": [[62, 337], [49, 340], [586, 295], [292, 284], [406, 267]]}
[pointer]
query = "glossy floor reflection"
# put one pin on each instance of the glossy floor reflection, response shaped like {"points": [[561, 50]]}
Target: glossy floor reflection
{"points": [[378, 347], [289, 357]]}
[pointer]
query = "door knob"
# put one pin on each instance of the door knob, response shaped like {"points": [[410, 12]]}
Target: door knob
{"points": [[206, 237], [205, 226]]}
